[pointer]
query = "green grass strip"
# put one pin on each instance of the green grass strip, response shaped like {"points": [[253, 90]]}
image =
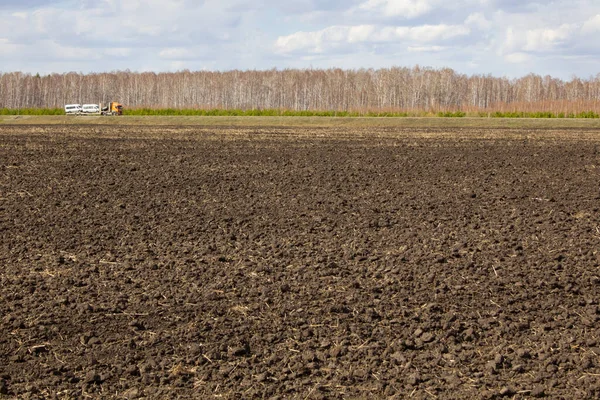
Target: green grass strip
{"points": [[309, 113]]}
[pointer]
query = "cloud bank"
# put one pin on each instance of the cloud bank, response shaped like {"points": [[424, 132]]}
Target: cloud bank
{"points": [[501, 37]]}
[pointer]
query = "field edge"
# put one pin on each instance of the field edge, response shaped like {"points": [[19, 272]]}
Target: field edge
{"points": [[392, 122]]}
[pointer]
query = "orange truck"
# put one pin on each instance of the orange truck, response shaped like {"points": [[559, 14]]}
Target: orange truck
{"points": [[113, 108]]}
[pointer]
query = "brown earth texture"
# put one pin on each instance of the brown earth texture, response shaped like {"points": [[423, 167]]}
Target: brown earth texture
{"points": [[301, 263]]}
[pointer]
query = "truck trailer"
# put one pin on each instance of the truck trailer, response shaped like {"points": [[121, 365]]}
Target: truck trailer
{"points": [[73, 109], [113, 108], [91, 108]]}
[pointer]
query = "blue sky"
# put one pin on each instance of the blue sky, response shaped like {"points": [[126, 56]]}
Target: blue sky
{"points": [[500, 37]]}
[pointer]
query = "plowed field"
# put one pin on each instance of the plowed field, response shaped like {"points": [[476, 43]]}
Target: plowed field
{"points": [[192, 262]]}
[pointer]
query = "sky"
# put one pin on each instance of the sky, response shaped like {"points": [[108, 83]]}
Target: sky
{"points": [[509, 38]]}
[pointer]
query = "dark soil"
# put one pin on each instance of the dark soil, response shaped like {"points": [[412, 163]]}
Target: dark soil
{"points": [[298, 263]]}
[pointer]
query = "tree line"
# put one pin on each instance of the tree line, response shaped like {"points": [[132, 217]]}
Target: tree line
{"points": [[362, 90]]}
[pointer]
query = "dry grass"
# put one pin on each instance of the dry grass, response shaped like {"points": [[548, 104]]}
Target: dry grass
{"points": [[539, 131], [405, 122]]}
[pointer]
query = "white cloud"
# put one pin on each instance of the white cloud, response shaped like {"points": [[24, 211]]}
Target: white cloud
{"points": [[7, 48], [540, 40], [592, 25], [336, 36], [398, 8], [429, 33], [426, 49], [362, 33], [411, 9], [479, 21], [548, 38], [182, 53], [517, 58]]}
